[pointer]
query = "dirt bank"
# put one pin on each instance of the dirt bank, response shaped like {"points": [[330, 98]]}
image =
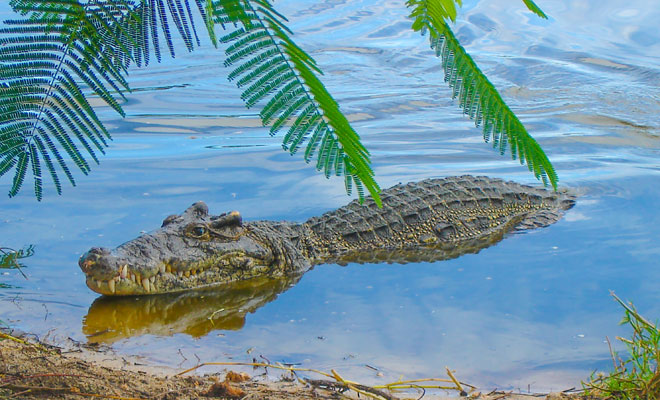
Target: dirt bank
{"points": [[33, 370]]}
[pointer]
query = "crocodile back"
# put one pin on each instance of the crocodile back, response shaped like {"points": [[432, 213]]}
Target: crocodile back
{"points": [[432, 219]]}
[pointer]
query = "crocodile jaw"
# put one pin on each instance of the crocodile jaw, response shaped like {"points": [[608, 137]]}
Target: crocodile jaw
{"points": [[127, 270]]}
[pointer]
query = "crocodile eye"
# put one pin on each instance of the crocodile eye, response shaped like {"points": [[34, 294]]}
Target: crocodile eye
{"points": [[198, 231]]}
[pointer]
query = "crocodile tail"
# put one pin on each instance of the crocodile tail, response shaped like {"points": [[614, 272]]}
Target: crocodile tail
{"points": [[548, 216]]}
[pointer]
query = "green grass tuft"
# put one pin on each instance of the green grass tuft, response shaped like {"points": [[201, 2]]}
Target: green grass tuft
{"points": [[636, 377], [9, 259]]}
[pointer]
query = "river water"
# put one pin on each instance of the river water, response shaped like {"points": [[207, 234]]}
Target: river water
{"points": [[532, 312]]}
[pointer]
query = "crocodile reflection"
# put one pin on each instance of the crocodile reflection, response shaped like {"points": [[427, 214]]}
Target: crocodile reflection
{"points": [[195, 313]]}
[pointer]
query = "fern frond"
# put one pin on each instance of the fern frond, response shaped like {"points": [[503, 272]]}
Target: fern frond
{"points": [[478, 98], [49, 164], [283, 77], [48, 61], [62, 52], [267, 85], [298, 132], [535, 9], [21, 169]]}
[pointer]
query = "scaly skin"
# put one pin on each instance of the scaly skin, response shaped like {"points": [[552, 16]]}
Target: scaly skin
{"points": [[435, 219]]}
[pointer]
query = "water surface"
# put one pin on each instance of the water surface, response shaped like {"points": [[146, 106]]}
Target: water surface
{"points": [[533, 310]]}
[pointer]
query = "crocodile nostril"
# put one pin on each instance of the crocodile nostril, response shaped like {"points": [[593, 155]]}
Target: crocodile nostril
{"points": [[92, 257], [100, 251]]}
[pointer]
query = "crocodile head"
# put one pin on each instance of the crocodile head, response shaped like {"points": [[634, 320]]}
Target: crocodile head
{"points": [[190, 250]]}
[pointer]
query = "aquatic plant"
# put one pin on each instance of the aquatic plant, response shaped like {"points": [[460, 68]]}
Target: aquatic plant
{"points": [[62, 52], [9, 260], [637, 376]]}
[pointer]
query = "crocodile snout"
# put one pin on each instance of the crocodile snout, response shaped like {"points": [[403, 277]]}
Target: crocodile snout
{"points": [[98, 260]]}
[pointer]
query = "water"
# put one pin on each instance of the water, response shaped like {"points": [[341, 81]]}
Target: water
{"points": [[532, 311]]}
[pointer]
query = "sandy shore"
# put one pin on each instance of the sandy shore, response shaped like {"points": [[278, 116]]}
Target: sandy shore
{"points": [[33, 370]]}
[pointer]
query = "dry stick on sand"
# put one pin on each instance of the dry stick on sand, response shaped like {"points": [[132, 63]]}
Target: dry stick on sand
{"points": [[338, 382], [11, 382]]}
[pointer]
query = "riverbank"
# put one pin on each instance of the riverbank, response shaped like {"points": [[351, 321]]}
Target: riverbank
{"points": [[30, 369]]}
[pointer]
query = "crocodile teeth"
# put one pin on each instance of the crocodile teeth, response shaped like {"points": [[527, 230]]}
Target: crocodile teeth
{"points": [[146, 285], [123, 270], [162, 268], [132, 277], [111, 285], [152, 279]]}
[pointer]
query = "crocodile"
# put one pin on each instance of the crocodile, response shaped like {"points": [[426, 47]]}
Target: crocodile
{"points": [[429, 220]]}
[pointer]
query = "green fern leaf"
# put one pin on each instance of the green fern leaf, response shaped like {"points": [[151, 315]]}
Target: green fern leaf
{"points": [[62, 52], [244, 40], [268, 72], [7, 164], [280, 100], [53, 150], [49, 164], [283, 76], [255, 93], [253, 62], [246, 51], [21, 170], [36, 171], [476, 95], [234, 12], [257, 72], [315, 140], [535, 9], [306, 122], [291, 110]]}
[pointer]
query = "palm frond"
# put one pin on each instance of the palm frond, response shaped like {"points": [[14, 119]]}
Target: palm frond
{"points": [[47, 64], [478, 98], [61, 53], [535, 9], [64, 51], [276, 72]]}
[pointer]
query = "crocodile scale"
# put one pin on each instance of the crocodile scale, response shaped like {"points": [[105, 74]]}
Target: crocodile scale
{"points": [[429, 220]]}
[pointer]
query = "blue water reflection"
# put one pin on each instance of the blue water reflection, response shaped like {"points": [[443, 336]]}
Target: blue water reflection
{"points": [[532, 310]]}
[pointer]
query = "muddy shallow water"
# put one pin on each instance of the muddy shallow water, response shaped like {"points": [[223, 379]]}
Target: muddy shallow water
{"points": [[533, 310]]}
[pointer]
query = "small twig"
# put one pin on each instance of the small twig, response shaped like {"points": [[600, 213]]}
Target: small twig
{"points": [[411, 384], [338, 383], [632, 311], [15, 339], [212, 316], [184, 357], [265, 358], [19, 393], [253, 364], [609, 344], [456, 382], [341, 387]]}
